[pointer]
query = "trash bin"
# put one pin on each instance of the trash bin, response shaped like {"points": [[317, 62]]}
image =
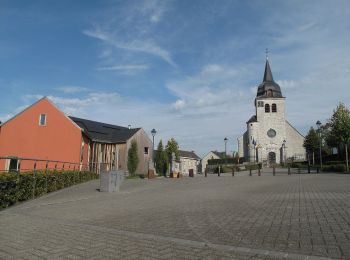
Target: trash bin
{"points": [[110, 181]]}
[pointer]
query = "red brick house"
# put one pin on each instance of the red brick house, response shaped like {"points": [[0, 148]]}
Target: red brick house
{"points": [[43, 132]]}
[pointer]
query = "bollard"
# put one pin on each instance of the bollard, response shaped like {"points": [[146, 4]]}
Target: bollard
{"points": [[34, 180], [273, 170], [219, 171], [46, 168], [288, 169], [233, 171], [206, 172], [318, 170], [308, 169], [250, 171], [259, 173]]}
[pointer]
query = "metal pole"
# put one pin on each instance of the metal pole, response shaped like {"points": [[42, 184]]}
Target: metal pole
{"points": [[320, 150]]}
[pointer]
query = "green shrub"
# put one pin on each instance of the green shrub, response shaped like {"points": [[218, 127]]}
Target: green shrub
{"points": [[334, 168], [16, 187], [253, 166]]}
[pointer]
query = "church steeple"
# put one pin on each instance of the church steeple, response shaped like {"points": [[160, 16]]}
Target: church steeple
{"points": [[268, 73], [268, 88]]}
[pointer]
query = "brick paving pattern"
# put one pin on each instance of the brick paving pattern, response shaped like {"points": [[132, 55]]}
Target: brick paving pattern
{"points": [[302, 216]]}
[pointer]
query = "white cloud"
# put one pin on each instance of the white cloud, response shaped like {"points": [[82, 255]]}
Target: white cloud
{"points": [[147, 46], [131, 30], [72, 89], [214, 86], [126, 67]]}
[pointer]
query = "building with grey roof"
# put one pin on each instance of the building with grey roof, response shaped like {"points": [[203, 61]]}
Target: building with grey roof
{"points": [[270, 138]]}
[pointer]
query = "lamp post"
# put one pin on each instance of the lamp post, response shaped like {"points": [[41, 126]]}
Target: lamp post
{"points": [[225, 140], [318, 123], [153, 132]]}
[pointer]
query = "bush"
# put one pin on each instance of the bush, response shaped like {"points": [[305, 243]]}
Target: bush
{"points": [[253, 166], [334, 168], [16, 187], [223, 169]]}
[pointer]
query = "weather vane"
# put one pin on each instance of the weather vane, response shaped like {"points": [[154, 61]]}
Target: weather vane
{"points": [[267, 53]]}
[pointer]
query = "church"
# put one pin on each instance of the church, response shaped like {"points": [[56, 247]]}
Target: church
{"points": [[270, 138]]}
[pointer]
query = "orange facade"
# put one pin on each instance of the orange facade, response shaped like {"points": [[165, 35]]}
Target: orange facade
{"points": [[56, 137]]}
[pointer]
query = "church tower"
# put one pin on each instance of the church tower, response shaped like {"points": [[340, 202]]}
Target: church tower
{"points": [[266, 130], [270, 138]]}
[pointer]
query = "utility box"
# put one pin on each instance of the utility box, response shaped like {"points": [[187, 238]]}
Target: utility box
{"points": [[110, 181]]}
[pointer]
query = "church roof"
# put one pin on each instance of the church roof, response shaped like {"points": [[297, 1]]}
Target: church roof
{"points": [[268, 88], [252, 120]]}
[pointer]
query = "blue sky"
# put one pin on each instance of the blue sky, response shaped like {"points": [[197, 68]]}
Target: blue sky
{"points": [[186, 68]]}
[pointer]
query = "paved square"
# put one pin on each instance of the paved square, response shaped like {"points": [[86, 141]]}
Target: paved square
{"points": [[241, 217]]}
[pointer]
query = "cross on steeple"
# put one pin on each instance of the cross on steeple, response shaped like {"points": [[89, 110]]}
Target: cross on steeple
{"points": [[267, 53]]}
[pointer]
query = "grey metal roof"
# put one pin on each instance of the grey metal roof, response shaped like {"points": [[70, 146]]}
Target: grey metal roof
{"points": [[188, 154], [252, 120], [104, 133], [221, 155], [269, 88]]}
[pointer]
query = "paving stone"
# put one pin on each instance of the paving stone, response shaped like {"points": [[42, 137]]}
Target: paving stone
{"points": [[266, 217]]}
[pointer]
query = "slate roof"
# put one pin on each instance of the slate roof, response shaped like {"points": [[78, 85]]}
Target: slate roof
{"points": [[188, 154], [220, 154], [269, 88], [252, 120], [104, 133]]}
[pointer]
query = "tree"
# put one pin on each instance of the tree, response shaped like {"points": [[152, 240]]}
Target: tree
{"points": [[340, 128], [161, 160], [133, 158], [311, 143], [172, 147]]}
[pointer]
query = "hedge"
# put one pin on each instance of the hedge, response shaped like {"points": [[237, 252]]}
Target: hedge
{"points": [[222, 161], [15, 187]]}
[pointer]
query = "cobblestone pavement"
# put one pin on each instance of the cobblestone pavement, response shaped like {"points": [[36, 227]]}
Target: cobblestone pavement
{"points": [[302, 216]]}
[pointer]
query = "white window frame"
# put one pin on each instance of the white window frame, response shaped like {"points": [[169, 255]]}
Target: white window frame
{"points": [[40, 119]]}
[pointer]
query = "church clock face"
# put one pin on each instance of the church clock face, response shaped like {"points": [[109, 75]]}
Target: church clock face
{"points": [[271, 133]]}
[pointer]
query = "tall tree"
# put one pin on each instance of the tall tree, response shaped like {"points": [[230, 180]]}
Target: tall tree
{"points": [[340, 128], [172, 147], [133, 158], [311, 143], [161, 159]]}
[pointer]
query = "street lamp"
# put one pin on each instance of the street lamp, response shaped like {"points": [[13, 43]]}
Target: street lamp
{"points": [[225, 140], [153, 132], [318, 123]]}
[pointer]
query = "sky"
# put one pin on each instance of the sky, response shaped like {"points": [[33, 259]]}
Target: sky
{"points": [[189, 69]]}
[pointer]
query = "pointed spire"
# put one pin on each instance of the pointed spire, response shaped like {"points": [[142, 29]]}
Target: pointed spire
{"points": [[268, 73]]}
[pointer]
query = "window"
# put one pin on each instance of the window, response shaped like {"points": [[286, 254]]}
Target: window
{"points": [[13, 167], [260, 104], [267, 108], [274, 108], [42, 120], [146, 150]]}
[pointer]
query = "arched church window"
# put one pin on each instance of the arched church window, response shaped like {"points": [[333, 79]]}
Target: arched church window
{"points": [[274, 108], [267, 108]]}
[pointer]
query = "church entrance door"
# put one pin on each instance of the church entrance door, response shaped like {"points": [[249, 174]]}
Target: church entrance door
{"points": [[272, 158]]}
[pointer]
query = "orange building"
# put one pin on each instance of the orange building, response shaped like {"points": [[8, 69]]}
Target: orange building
{"points": [[43, 132]]}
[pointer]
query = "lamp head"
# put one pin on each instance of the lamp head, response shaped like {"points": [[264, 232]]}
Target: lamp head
{"points": [[153, 132]]}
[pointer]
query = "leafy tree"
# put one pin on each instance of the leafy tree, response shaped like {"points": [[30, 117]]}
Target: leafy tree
{"points": [[133, 158], [161, 160], [311, 143], [340, 128], [172, 147]]}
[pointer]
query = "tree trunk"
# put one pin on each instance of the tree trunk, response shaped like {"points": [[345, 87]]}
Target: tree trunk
{"points": [[313, 158], [346, 157]]}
